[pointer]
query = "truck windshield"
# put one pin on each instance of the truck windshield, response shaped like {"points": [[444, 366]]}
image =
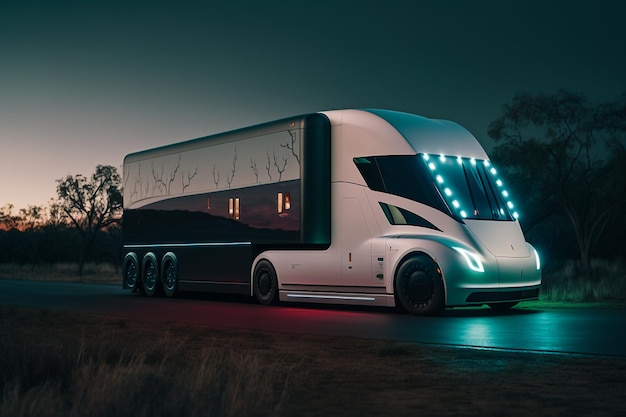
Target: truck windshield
{"points": [[471, 187], [463, 188]]}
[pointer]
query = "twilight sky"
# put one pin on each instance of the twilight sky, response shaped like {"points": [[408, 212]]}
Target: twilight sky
{"points": [[85, 83]]}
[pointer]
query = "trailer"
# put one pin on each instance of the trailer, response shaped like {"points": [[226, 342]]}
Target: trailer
{"points": [[363, 207]]}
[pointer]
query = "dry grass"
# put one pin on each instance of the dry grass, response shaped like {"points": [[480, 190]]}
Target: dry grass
{"points": [[93, 272], [567, 284], [63, 364]]}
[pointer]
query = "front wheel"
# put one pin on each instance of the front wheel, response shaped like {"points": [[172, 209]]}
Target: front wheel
{"points": [[265, 283], [419, 287]]}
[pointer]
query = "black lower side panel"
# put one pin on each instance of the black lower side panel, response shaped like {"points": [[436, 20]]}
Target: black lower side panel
{"points": [[215, 287], [518, 295]]}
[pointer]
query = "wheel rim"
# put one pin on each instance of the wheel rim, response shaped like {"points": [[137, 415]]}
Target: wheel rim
{"points": [[170, 277], [131, 274], [417, 287], [265, 283], [420, 288], [150, 278]]}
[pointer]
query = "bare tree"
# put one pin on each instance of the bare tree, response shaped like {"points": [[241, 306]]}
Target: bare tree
{"points": [[292, 146], [279, 168], [170, 178], [31, 218], [56, 217], [189, 176], [147, 190], [268, 166], [28, 219], [229, 178], [255, 169], [158, 179], [141, 187], [161, 179], [216, 176], [7, 220], [91, 204], [136, 193]]}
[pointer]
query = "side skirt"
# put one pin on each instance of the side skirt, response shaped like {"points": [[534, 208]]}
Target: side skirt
{"points": [[327, 297]]}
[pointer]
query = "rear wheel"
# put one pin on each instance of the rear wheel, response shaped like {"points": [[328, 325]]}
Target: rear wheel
{"points": [[265, 283], [131, 271], [150, 274], [419, 287], [169, 274]]}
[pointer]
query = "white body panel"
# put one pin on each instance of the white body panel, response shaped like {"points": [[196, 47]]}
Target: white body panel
{"points": [[360, 265]]}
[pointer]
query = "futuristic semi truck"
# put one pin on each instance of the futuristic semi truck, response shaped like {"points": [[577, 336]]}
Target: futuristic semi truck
{"points": [[363, 207]]}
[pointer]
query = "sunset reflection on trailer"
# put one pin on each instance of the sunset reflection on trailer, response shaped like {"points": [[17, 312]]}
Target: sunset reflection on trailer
{"points": [[363, 207]]}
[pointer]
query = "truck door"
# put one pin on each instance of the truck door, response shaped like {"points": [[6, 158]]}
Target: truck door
{"points": [[356, 246]]}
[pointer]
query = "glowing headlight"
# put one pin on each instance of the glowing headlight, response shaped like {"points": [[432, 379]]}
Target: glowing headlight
{"points": [[473, 262], [537, 261]]}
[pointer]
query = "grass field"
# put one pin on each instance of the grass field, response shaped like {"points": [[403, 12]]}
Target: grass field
{"points": [[565, 284], [66, 364], [93, 272]]}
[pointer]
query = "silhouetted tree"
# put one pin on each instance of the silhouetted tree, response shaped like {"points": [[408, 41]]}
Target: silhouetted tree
{"points": [[91, 204], [7, 220], [31, 217], [554, 147]]}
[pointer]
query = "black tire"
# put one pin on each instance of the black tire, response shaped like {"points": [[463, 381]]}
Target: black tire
{"points": [[502, 306], [265, 283], [419, 287], [149, 274], [131, 271], [169, 274]]}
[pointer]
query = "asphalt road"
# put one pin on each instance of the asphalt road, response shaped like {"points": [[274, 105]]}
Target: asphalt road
{"points": [[568, 331]]}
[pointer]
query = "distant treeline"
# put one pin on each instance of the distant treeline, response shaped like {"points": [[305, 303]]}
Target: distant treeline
{"points": [[50, 244]]}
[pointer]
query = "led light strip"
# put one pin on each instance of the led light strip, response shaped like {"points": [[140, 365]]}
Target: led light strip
{"points": [[504, 192], [188, 245], [331, 297], [447, 191]]}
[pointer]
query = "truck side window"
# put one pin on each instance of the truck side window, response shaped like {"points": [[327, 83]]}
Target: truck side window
{"points": [[399, 216], [370, 172]]}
